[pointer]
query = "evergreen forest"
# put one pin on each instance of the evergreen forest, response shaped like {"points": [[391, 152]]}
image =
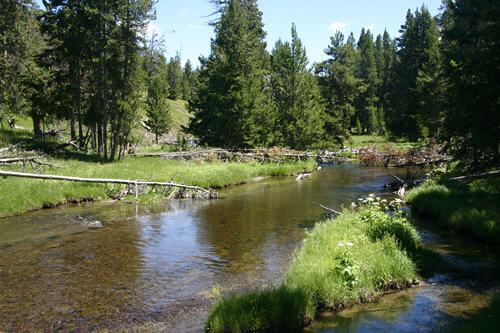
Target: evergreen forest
{"points": [[90, 63]]}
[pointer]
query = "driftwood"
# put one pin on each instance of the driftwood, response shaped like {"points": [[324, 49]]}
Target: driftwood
{"points": [[495, 173], [373, 156], [422, 163], [326, 208], [302, 176], [25, 158], [136, 183], [246, 155]]}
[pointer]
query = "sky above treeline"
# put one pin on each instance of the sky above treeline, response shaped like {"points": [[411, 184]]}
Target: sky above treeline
{"points": [[185, 24]]}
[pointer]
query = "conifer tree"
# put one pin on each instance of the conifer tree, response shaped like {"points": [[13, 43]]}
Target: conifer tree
{"points": [[20, 44], [229, 100], [157, 108], [188, 80], [295, 96], [339, 87], [417, 92], [472, 65], [367, 101], [386, 80], [174, 77]]}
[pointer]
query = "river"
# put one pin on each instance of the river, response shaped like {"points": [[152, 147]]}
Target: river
{"points": [[154, 267]]}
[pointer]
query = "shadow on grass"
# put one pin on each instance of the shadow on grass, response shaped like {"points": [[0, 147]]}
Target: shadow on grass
{"points": [[49, 145], [14, 136]]}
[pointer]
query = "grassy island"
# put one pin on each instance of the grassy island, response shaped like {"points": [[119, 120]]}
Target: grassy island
{"points": [[343, 261]]}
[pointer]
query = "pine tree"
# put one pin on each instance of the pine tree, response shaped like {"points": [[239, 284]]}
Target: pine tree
{"points": [[385, 75], [174, 77], [472, 65], [367, 101], [339, 87], [188, 80], [95, 44], [157, 108], [417, 92], [229, 101], [20, 44], [295, 96]]}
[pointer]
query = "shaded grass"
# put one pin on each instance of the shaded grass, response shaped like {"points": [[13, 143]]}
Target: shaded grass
{"points": [[18, 195], [13, 136], [472, 209], [343, 261]]}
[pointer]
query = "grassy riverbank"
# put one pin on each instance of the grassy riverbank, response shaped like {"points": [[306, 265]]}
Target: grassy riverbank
{"points": [[18, 195], [470, 209], [343, 261]]}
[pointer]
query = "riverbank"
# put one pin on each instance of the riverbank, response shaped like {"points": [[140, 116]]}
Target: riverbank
{"points": [[343, 261], [468, 209], [20, 195]]}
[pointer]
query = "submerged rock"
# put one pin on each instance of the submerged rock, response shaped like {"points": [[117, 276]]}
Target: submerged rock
{"points": [[95, 225]]}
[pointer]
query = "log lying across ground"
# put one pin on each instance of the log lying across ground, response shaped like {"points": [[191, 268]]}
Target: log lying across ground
{"points": [[136, 183], [495, 173]]}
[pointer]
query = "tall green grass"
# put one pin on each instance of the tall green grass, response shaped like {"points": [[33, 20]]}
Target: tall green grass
{"points": [[472, 209], [18, 195], [343, 261]]}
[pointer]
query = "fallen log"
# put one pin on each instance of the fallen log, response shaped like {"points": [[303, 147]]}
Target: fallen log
{"points": [[478, 176], [326, 208], [16, 159], [136, 183], [422, 163]]}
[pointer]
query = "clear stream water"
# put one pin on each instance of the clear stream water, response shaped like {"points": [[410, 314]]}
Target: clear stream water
{"points": [[153, 267]]}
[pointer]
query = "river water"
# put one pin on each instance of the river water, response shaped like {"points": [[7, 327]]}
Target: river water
{"points": [[154, 267]]}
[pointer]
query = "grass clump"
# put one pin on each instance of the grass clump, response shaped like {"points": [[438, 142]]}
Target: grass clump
{"points": [[273, 310], [343, 261], [472, 209]]}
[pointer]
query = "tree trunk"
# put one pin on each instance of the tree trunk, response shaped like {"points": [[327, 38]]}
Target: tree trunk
{"points": [[37, 124], [73, 127]]}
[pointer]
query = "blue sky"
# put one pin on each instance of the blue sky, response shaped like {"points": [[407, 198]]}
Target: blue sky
{"points": [[184, 24]]}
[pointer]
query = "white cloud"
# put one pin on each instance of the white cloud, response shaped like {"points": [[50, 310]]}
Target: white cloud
{"points": [[195, 26], [369, 27], [338, 26]]}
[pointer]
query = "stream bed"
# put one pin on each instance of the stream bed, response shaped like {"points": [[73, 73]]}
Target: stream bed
{"points": [[157, 267]]}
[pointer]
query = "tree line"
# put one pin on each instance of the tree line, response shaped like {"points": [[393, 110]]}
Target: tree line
{"points": [[435, 81], [87, 61]]}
